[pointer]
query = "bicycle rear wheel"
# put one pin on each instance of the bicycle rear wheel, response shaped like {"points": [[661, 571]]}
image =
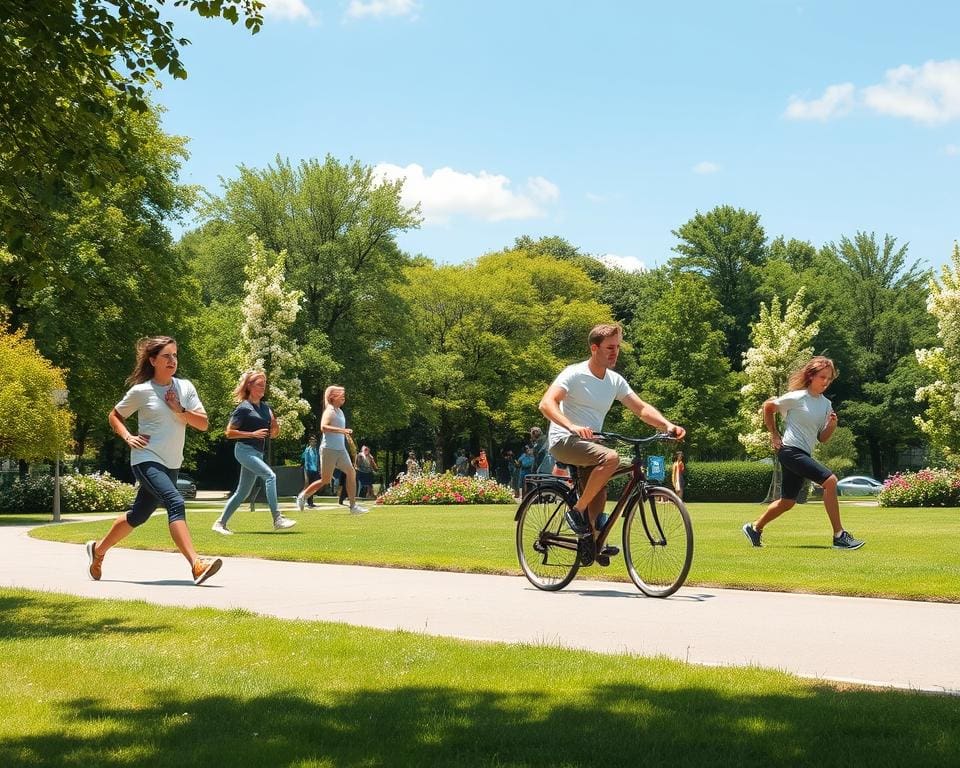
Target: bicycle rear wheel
{"points": [[658, 543], [546, 547]]}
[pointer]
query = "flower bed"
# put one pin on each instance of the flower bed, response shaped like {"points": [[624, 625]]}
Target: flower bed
{"points": [[926, 488], [446, 489]]}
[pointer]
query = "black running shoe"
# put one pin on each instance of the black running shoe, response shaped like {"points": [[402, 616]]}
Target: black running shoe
{"points": [[576, 522]]}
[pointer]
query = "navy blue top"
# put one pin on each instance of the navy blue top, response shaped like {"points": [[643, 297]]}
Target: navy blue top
{"points": [[248, 417]]}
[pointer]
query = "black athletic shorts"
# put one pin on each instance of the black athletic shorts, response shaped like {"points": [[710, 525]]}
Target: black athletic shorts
{"points": [[798, 465]]}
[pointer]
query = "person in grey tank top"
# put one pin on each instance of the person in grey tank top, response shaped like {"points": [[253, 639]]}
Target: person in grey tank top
{"points": [[333, 450]]}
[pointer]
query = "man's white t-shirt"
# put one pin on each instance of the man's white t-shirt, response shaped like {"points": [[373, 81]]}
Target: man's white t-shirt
{"points": [[156, 418], [588, 398], [805, 416]]}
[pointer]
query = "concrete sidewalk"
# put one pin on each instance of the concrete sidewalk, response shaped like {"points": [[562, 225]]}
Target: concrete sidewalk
{"points": [[878, 642]]}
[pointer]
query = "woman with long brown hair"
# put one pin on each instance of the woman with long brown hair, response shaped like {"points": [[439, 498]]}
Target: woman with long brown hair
{"points": [[251, 423], [165, 407], [808, 418]]}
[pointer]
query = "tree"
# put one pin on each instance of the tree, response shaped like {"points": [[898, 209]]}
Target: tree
{"points": [[69, 70], [727, 246], [34, 426], [879, 299], [681, 366], [781, 344], [941, 421], [269, 311], [490, 338], [108, 274]]}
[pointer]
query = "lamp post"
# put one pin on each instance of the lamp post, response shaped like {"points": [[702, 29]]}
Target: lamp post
{"points": [[60, 400]]}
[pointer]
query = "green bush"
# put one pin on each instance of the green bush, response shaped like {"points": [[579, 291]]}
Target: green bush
{"points": [[926, 488], [746, 481], [97, 493], [446, 489]]}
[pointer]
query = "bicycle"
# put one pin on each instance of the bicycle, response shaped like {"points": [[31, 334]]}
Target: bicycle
{"points": [[657, 531]]}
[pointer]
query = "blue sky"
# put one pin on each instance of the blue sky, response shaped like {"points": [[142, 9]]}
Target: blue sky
{"points": [[607, 123]]}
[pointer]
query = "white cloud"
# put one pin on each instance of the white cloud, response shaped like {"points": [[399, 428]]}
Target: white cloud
{"points": [[446, 192], [288, 10], [952, 150], [628, 263], [836, 100], [706, 167], [929, 93], [378, 9]]}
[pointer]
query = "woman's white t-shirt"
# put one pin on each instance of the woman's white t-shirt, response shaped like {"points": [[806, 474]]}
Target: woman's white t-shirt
{"points": [[805, 416], [156, 419], [335, 440]]}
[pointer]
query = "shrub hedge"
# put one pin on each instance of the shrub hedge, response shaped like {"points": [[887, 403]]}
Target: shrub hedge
{"points": [[746, 481], [97, 493]]}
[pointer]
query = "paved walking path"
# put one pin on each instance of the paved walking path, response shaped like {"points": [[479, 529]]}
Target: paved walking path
{"points": [[880, 642]]}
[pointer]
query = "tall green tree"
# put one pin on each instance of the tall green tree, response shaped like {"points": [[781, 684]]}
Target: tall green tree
{"points": [[69, 70], [879, 296], [941, 421], [681, 366], [491, 336], [110, 275], [727, 246]]}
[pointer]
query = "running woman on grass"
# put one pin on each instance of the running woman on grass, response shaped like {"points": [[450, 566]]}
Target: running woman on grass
{"points": [[165, 406], [808, 417]]}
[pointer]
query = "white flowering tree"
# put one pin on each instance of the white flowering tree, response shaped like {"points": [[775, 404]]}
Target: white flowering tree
{"points": [[269, 311], [941, 422], [780, 344]]}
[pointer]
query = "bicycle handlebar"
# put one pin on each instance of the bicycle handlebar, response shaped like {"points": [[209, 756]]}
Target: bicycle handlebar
{"points": [[636, 441]]}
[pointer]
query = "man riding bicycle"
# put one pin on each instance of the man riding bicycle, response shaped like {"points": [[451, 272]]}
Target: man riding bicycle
{"points": [[576, 403]]}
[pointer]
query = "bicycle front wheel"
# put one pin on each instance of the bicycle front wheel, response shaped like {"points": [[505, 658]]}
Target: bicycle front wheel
{"points": [[546, 546], [658, 543]]}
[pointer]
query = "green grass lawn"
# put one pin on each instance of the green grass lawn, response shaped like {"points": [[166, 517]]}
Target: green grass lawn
{"points": [[910, 553], [101, 683]]}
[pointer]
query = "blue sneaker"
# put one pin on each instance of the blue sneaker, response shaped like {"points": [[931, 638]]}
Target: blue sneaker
{"points": [[753, 534], [576, 522], [846, 541], [602, 520]]}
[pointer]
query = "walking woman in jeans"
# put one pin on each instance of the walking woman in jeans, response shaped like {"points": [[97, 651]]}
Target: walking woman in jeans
{"points": [[165, 406], [251, 423]]}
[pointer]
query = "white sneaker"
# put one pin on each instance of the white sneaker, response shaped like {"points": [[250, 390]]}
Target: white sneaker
{"points": [[282, 523], [356, 509], [220, 528], [301, 502]]}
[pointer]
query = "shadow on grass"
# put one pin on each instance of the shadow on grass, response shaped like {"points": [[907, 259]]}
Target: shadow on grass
{"points": [[36, 620], [412, 726]]}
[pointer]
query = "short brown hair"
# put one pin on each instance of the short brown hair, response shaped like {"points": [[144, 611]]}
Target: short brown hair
{"points": [[604, 331]]}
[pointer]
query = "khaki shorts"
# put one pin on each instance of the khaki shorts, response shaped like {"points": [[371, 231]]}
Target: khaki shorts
{"points": [[582, 454]]}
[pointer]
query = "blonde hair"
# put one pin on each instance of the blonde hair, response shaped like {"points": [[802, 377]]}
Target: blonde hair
{"points": [[801, 378], [242, 391], [329, 392]]}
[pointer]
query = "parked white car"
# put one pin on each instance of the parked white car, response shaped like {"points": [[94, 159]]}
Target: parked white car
{"points": [[859, 485]]}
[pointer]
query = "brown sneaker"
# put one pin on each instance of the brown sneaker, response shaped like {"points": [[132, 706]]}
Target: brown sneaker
{"points": [[204, 568], [95, 566]]}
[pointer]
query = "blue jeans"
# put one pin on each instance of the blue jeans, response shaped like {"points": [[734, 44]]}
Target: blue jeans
{"points": [[252, 466], [158, 485]]}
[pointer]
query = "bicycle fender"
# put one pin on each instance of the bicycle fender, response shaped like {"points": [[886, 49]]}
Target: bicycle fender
{"points": [[560, 489]]}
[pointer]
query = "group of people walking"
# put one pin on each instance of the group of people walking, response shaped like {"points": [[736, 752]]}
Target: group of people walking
{"points": [[576, 404]]}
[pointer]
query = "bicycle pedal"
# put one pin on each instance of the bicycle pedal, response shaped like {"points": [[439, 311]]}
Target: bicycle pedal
{"points": [[586, 549]]}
